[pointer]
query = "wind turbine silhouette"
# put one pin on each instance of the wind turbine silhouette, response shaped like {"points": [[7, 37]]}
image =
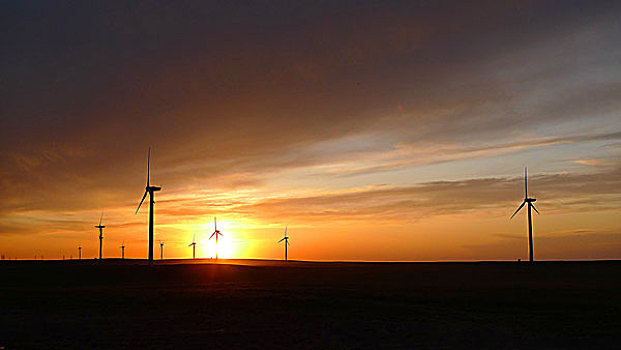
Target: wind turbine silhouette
{"points": [[530, 219], [215, 233], [123, 250], [100, 227], [80, 252], [150, 190], [286, 239], [193, 245], [161, 250]]}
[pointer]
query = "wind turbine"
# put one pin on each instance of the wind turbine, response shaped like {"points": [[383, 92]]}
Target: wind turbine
{"points": [[150, 191], [216, 233], [193, 245], [286, 239], [530, 216], [80, 252], [123, 250], [161, 250], [100, 227]]}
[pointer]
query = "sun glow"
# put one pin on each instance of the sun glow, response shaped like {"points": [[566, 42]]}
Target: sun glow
{"points": [[224, 249]]}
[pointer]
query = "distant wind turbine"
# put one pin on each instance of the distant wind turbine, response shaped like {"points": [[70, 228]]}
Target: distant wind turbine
{"points": [[100, 227], [161, 250], [150, 191], [123, 250], [193, 245], [286, 239], [530, 219], [216, 233], [80, 252]]}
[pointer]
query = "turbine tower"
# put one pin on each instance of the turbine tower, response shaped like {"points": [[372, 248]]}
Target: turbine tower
{"points": [[80, 252], [530, 202], [150, 190], [193, 245], [100, 227], [123, 250], [161, 250], [216, 233], [286, 239]]}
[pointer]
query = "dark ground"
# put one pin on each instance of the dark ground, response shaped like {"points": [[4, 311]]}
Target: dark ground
{"points": [[271, 305]]}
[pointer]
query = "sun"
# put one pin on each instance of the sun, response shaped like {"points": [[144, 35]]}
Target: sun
{"points": [[224, 248]]}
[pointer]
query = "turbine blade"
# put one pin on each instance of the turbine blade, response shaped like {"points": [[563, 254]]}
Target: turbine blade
{"points": [[101, 218], [534, 208], [286, 229], [215, 224], [141, 201], [214, 232], [148, 165], [525, 182], [518, 209], [281, 240], [189, 245], [194, 238]]}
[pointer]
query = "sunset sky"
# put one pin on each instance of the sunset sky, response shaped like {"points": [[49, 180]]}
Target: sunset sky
{"points": [[374, 130]]}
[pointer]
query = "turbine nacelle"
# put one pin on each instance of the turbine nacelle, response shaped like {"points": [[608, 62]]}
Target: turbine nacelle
{"points": [[215, 233]]}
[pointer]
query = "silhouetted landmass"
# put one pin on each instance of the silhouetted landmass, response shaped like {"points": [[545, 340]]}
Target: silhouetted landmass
{"points": [[118, 304]]}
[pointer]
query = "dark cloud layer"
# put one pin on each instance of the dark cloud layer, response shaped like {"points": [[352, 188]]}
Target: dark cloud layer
{"points": [[80, 74]]}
